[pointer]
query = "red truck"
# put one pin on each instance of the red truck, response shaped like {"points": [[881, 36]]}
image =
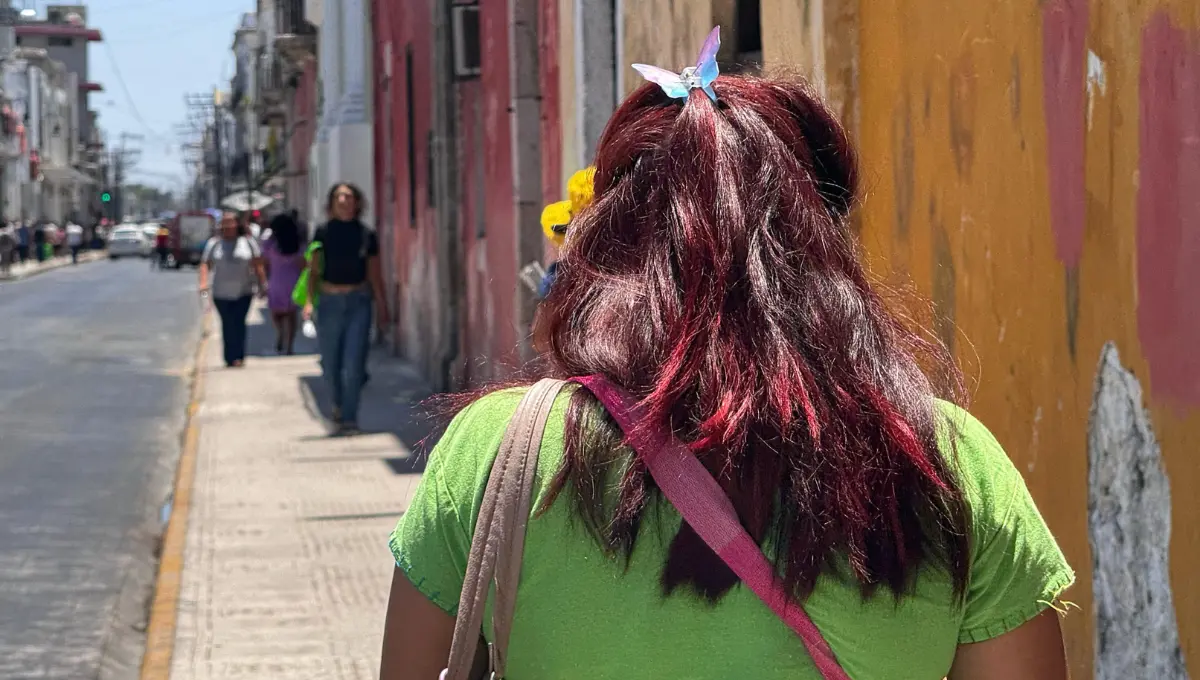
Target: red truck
{"points": [[189, 232]]}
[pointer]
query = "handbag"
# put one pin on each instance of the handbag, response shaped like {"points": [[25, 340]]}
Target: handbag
{"points": [[685, 482], [300, 290]]}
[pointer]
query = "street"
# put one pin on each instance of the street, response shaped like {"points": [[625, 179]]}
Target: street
{"points": [[94, 381]]}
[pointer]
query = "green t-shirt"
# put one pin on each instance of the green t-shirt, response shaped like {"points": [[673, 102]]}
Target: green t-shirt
{"points": [[579, 614]]}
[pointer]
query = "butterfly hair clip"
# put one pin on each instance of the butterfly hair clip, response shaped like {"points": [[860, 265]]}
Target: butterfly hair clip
{"points": [[701, 76]]}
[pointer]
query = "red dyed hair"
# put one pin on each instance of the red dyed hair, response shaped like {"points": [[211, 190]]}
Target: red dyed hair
{"points": [[716, 277]]}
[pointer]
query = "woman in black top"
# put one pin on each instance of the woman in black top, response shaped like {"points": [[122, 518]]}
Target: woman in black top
{"points": [[345, 275]]}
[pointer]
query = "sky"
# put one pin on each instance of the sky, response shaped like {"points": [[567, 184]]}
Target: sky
{"points": [[162, 50]]}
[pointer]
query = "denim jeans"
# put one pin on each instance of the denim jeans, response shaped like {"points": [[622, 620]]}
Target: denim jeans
{"points": [[233, 326], [343, 333]]}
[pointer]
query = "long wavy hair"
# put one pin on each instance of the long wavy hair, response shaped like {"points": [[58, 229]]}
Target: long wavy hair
{"points": [[286, 233], [716, 277]]}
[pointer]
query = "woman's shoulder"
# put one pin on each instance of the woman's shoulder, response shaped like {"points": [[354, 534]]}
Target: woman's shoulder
{"points": [[463, 457], [986, 472]]}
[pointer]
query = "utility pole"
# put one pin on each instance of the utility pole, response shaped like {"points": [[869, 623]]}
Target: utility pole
{"points": [[123, 158], [207, 115]]}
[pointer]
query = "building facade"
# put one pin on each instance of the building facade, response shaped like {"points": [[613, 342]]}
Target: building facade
{"points": [[343, 146], [65, 36], [281, 104], [41, 178], [247, 158]]}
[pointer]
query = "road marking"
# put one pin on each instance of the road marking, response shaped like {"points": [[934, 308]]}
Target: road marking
{"points": [[160, 631]]}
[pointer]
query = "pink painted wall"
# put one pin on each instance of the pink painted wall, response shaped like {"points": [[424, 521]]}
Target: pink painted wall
{"points": [[302, 121], [488, 323], [1168, 209], [489, 313], [552, 127], [411, 266]]}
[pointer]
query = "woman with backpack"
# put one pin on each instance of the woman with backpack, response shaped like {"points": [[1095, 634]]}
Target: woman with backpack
{"points": [[734, 367], [346, 282], [229, 269]]}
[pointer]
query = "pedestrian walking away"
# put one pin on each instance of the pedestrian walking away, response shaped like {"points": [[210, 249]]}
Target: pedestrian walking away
{"points": [[162, 247], [74, 240], [283, 254], [229, 268], [24, 241], [346, 281], [723, 399]]}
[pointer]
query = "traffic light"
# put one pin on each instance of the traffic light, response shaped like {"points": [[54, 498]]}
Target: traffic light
{"points": [[106, 197]]}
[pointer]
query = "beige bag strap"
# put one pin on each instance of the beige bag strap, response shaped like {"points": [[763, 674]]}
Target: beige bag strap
{"points": [[499, 540]]}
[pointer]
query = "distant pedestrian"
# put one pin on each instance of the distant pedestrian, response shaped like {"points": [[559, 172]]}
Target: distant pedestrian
{"points": [[74, 240], [346, 279], [284, 258], [24, 241], [39, 242], [162, 247], [8, 249], [229, 268]]}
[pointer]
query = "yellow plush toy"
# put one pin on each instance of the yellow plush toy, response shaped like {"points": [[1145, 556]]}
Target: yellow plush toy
{"points": [[556, 217]]}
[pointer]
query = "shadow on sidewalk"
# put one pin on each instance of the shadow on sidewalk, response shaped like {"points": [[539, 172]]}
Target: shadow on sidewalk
{"points": [[260, 335], [392, 403]]}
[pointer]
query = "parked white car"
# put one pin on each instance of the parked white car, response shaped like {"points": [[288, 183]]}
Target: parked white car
{"points": [[128, 240], [150, 230]]}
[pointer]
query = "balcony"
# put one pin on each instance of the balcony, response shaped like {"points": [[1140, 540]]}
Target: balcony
{"points": [[295, 38], [271, 84]]}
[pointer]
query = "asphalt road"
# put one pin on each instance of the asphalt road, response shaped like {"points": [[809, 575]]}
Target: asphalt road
{"points": [[93, 388]]}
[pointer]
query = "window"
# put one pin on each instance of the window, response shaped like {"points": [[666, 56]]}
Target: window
{"points": [[464, 29], [748, 36], [61, 41]]}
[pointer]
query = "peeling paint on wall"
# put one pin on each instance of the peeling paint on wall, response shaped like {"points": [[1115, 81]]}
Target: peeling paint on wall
{"points": [[1097, 83], [1064, 32], [1168, 205], [1129, 528]]}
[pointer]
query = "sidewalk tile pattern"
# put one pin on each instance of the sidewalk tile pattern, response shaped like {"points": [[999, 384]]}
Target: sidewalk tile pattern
{"points": [[286, 568]]}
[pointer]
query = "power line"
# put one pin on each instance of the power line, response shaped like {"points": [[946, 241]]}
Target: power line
{"points": [[112, 59]]}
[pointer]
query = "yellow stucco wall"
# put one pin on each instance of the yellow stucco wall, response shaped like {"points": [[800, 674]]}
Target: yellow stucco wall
{"points": [[952, 131], [666, 33]]}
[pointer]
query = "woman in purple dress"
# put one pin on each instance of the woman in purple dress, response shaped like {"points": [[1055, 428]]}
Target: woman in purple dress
{"points": [[285, 260]]}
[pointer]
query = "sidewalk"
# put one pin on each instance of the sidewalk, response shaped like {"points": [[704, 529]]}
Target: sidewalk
{"points": [[286, 570], [24, 270]]}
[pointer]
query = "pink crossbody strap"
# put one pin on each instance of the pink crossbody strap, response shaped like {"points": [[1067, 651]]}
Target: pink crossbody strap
{"points": [[705, 507]]}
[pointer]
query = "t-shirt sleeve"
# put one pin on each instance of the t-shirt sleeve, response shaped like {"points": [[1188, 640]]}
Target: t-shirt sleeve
{"points": [[1017, 568], [432, 540]]}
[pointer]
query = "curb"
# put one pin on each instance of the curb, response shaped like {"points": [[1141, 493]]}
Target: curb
{"points": [[160, 630], [56, 263]]}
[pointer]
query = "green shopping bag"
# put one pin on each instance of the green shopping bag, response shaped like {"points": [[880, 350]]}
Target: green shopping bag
{"points": [[300, 292]]}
